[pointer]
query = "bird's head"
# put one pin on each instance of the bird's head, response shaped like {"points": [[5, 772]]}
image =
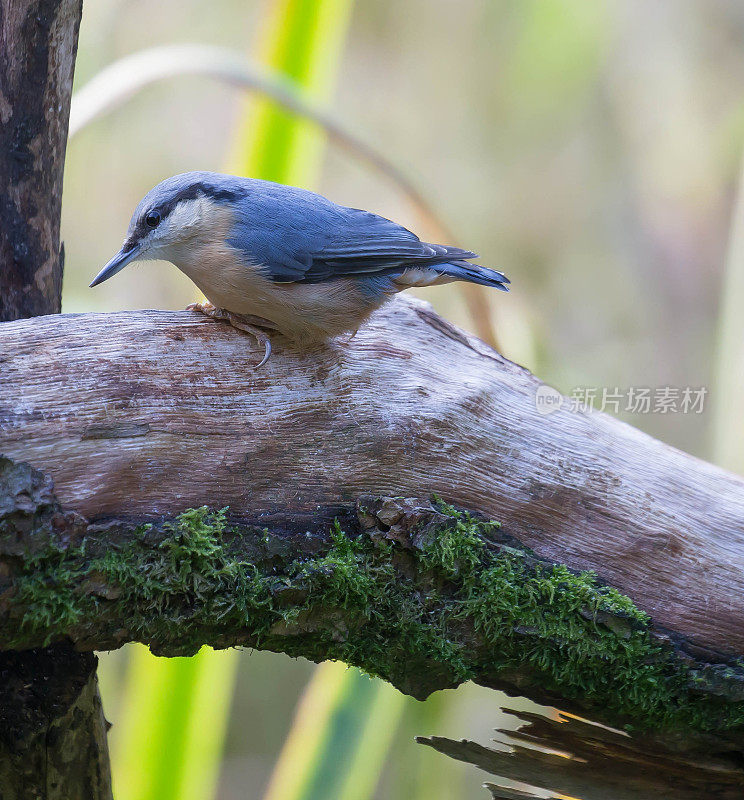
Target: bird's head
{"points": [[176, 214]]}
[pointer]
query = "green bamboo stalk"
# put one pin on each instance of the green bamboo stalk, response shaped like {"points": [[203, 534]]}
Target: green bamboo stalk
{"points": [[418, 776], [304, 42], [339, 739], [168, 740]]}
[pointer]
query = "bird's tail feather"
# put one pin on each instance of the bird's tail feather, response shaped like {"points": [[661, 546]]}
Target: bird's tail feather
{"points": [[474, 273]]}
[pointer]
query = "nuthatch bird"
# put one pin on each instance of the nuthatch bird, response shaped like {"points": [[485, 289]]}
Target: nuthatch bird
{"points": [[276, 258]]}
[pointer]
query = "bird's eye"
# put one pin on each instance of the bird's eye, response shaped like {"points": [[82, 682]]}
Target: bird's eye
{"points": [[152, 219]]}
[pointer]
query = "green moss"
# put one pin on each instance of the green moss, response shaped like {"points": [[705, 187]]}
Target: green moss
{"points": [[457, 603], [47, 591]]}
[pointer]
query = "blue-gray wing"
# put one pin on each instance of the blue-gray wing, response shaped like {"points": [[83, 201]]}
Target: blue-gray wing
{"points": [[300, 237]]}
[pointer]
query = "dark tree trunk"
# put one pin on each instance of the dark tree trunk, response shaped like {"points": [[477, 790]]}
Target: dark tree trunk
{"points": [[37, 59], [52, 729]]}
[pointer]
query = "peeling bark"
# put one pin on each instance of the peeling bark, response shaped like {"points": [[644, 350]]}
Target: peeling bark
{"points": [[592, 762]]}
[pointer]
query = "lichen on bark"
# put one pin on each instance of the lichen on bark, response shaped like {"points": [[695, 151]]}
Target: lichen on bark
{"points": [[423, 595]]}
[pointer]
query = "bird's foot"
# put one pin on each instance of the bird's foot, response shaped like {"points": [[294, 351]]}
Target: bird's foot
{"points": [[248, 323]]}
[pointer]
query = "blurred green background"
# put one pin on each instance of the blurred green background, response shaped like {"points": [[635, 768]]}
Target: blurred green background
{"points": [[589, 149]]}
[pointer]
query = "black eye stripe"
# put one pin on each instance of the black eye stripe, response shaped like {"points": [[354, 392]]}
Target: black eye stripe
{"points": [[192, 192]]}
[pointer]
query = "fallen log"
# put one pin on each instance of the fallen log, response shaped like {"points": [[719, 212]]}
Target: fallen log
{"points": [[149, 423], [151, 413]]}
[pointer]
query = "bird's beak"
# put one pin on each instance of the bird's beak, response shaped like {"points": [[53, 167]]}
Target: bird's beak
{"points": [[126, 255]]}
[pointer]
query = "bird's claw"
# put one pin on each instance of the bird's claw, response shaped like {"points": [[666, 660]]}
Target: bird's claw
{"points": [[240, 322]]}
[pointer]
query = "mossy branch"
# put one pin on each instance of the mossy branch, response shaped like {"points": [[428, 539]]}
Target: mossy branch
{"points": [[420, 594]]}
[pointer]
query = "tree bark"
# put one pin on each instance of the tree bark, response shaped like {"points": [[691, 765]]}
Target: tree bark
{"points": [[592, 762], [52, 729], [150, 413], [422, 595], [53, 734], [140, 416], [37, 59]]}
